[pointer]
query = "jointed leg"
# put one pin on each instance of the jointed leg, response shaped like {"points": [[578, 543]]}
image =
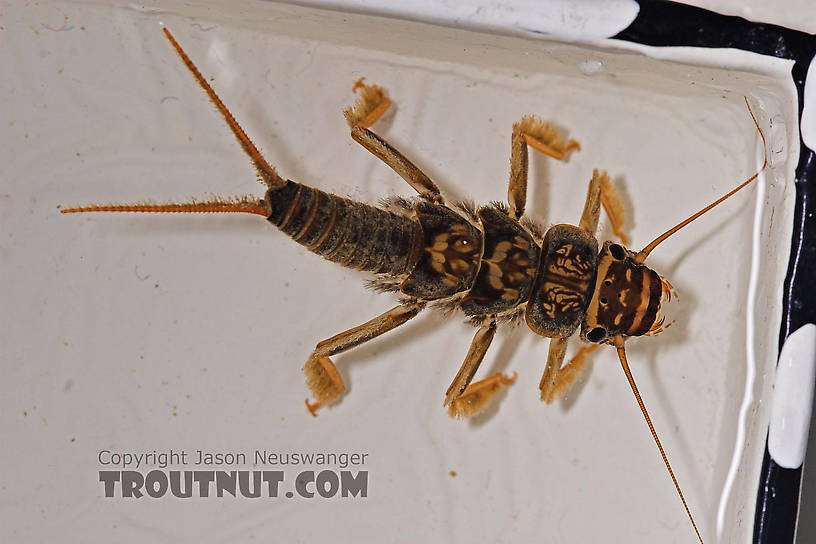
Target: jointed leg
{"points": [[602, 192], [556, 379], [613, 205], [322, 376], [592, 205], [370, 106], [558, 348], [569, 373], [541, 136], [464, 399]]}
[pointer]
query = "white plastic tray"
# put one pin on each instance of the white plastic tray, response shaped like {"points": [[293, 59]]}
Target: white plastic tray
{"points": [[133, 332]]}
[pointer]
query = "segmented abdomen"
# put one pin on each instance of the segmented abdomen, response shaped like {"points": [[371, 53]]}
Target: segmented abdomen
{"points": [[350, 233]]}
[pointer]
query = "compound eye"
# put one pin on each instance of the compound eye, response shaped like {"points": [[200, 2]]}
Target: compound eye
{"points": [[617, 252], [596, 335]]}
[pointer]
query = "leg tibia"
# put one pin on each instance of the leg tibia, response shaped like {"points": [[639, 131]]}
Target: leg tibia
{"points": [[323, 378], [539, 135], [569, 373], [613, 205], [478, 348], [464, 399], [558, 347], [371, 104], [602, 193], [592, 205]]}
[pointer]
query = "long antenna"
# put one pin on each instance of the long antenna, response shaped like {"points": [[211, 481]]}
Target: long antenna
{"points": [[640, 257], [622, 356]]}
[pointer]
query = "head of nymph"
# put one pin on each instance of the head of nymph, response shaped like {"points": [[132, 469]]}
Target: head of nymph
{"points": [[626, 299]]}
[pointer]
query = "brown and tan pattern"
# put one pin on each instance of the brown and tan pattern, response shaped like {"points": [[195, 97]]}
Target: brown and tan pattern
{"points": [[450, 257], [563, 282], [508, 265], [626, 299]]}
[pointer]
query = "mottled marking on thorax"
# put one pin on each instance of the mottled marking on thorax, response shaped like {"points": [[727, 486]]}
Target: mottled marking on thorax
{"points": [[508, 266], [570, 263], [450, 255], [563, 282]]}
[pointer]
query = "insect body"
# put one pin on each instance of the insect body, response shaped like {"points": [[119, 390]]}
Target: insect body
{"points": [[491, 263]]}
